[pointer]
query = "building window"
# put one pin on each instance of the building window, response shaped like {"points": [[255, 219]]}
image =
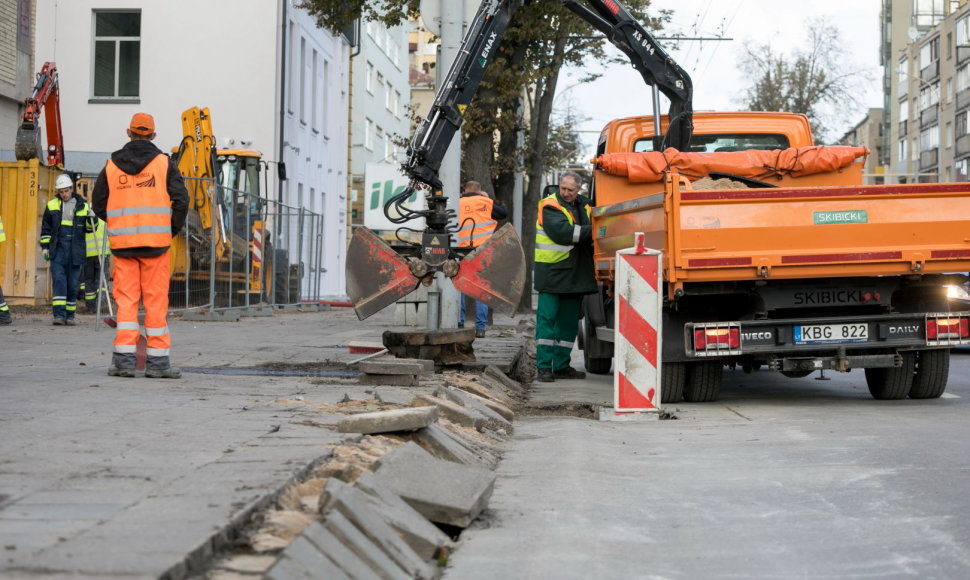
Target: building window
{"points": [[325, 99], [396, 104], [960, 128], [962, 168], [902, 151], [963, 78], [303, 80], [929, 138], [929, 96], [291, 93], [927, 13], [368, 134], [369, 77], [315, 94], [117, 54], [903, 71], [963, 31], [948, 136], [929, 53]]}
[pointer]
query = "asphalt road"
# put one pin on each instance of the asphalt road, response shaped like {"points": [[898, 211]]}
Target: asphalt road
{"points": [[781, 478]]}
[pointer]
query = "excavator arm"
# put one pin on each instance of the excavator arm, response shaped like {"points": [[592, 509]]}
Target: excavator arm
{"points": [[45, 97], [378, 275]]}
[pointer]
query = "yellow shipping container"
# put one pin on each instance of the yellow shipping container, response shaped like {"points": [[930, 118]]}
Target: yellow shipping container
{"points": [[25, 188]]}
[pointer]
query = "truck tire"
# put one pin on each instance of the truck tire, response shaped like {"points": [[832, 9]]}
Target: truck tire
{"points": [[594, 365], [672, 379], [932, 371], [703, 383], [892, 383]]}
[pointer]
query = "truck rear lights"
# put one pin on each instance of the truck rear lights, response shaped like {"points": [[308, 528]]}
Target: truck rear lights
{"points": [[947, 328], [719, 338]]}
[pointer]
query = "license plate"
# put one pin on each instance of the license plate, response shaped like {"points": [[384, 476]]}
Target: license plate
{"points": [[831, 333]]}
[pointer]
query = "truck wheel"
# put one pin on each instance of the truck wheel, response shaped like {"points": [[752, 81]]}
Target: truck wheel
{"points": [[892, 383], [932, 371], [589, 343], [672, 378], [703, 382]]}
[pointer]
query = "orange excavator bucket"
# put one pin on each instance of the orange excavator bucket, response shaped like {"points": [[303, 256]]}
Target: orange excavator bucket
{"points": [[377, 276], [495, 272]]}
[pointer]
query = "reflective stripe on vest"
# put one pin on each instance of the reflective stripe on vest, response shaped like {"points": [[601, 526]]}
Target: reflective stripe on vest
{"points": [[548, 251], [3, 236], [475, 220], [94, 241], [57, 204], [139, 208]]}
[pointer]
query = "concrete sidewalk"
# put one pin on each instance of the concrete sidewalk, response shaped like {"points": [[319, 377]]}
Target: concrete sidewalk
{"points": [[136, 478]]}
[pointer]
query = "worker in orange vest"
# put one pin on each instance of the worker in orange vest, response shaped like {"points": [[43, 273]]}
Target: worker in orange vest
{"points": [[141, 196], [478, 215]]}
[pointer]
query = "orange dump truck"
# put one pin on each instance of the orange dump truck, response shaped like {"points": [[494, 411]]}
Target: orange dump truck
{"points": [[776, 256]]}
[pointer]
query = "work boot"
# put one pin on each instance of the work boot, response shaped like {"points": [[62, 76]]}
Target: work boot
{"points": [[70, 322], [480, 333], [114, 371], [58, 321], [166, 373], [5, 317], [546, 376], [570, 373]]}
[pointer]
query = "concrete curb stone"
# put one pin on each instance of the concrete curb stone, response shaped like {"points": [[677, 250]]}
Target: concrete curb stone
{"points": [[351, 502], [494, 420], [424, 537], [442, 491], [442, 444], [452, 411], [350, 536], [406, 419], [303, 560]]}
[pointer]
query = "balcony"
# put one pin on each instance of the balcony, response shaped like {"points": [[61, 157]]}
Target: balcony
{"points": [[930, 72], [929, 159], [963, 53], [963, 99], [929, 116], [962, 146]]}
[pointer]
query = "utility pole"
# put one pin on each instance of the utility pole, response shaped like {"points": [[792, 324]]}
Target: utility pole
{"points": [[452, 31]]}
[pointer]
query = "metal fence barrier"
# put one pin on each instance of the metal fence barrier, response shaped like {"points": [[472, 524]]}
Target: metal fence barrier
{"points": [[245, 251]]}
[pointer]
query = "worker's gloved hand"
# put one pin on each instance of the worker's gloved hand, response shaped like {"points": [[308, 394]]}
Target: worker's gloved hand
{"points": [[47, 255]]}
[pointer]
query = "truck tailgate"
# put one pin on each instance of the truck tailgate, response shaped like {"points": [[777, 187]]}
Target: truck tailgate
{"points": [[839, 231]]}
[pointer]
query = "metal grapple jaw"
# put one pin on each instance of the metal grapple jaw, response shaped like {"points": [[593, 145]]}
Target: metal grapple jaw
{"points": [[378, 276]]}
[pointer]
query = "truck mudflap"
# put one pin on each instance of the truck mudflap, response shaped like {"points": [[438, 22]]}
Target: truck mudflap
{"points": [[859, 341]]}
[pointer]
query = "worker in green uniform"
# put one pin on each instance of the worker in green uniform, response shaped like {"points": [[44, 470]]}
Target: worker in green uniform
{"points": [[563, 274]]}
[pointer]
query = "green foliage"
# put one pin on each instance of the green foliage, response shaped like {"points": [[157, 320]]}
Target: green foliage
{"points": [[339, 14], [818, 80]]}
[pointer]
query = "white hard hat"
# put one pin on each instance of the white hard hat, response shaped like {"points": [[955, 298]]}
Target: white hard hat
{"points": [[63, 181]]}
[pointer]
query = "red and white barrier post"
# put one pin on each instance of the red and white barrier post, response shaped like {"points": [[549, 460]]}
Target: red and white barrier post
{"points": [[636, 354]]}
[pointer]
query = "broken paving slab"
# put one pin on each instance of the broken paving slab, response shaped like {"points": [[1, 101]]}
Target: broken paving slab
{"points": [[330, 545], [444, 347], [441, 443], [510, 384], [407, 419], [452, 411], [391, 367], [424, 537], [443, 491], [337, 496], [484, 391], [375, 558], [304, 561], [494, 418]]}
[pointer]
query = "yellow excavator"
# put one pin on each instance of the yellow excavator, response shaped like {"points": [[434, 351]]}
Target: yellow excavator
{"points": [[226, 229]]}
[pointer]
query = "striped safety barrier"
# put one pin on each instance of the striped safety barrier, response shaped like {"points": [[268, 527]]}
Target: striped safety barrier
{"points": [[636, 355]]}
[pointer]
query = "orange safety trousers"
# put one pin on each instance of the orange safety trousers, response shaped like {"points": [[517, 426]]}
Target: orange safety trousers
{"points": [[144, 279]]}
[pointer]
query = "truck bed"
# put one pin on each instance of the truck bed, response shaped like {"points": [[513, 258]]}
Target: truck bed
{"points": [[792, 232]]}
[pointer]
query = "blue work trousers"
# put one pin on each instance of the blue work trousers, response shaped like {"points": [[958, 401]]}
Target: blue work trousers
{"points": [[64, 278], [481, 314]]}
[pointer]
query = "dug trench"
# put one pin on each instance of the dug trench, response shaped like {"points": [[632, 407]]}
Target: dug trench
{"points": [[392, 498]]}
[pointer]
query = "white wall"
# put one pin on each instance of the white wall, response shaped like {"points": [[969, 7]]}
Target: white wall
{"points": [[223, 55]]}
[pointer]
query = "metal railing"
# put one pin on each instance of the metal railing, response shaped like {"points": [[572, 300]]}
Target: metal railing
{"points": [[245, 251]]}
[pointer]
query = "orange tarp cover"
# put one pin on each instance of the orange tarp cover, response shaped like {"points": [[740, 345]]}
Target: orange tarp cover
{"points": [[650, 166]]}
